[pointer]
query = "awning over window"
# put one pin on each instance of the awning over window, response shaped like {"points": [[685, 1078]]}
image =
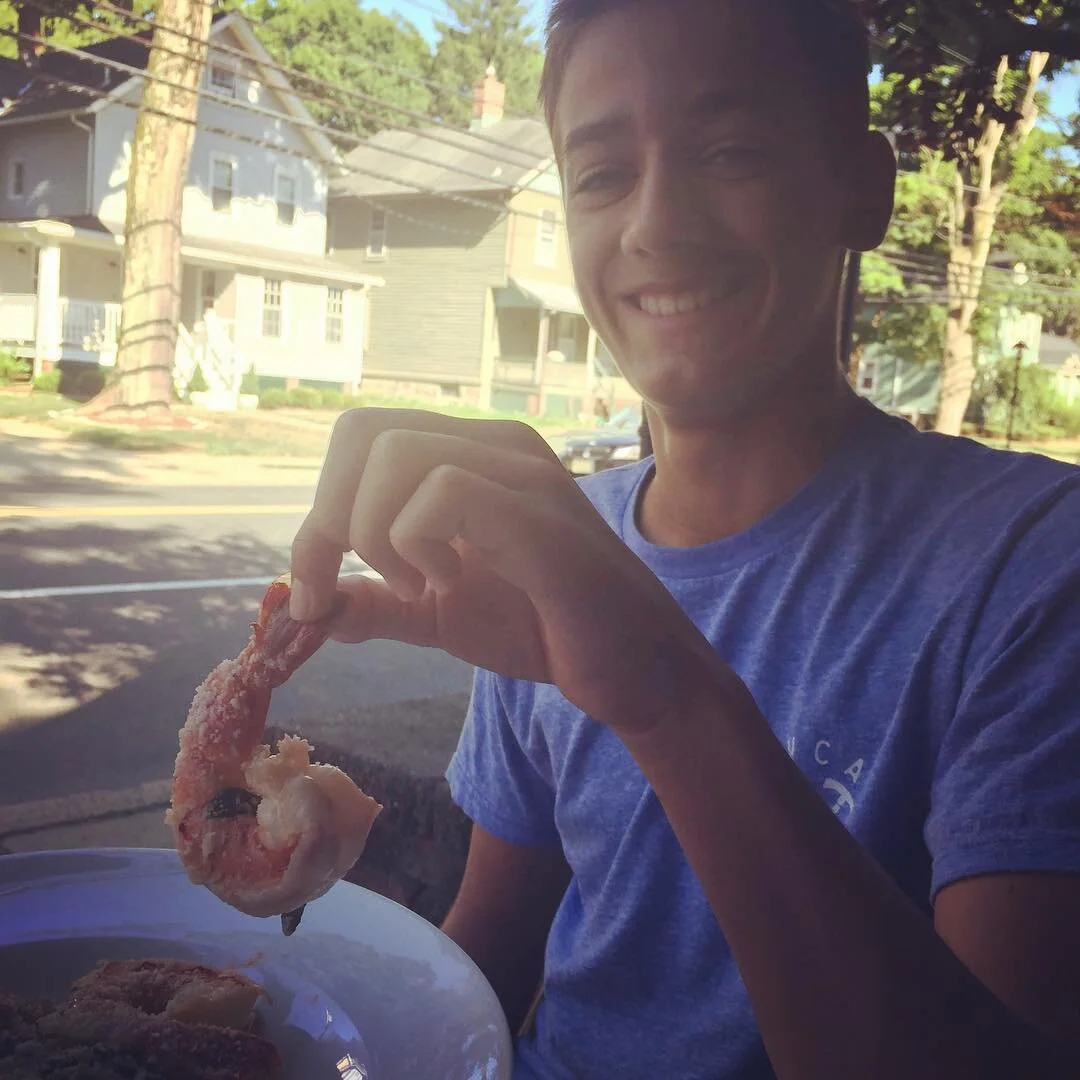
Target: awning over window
{"points": [[525, 292]]}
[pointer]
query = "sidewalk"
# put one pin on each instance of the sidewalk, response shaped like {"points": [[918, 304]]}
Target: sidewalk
{"points": [[395, 752], [39, 446]]}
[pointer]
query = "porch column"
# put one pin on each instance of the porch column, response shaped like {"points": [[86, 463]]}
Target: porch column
{"points": [[48, 330], [543, 338], [590, 367], [488, 348]]}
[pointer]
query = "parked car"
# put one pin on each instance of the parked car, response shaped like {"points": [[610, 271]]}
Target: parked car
{"points": [[615, 442]]}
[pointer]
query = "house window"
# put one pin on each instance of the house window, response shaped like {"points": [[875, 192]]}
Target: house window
{"points": [[335, 315], [222, 183], [17, 180], [271, 319], [223, 80], [547, 229], [376, 247], [285, 196], [868, 376]]}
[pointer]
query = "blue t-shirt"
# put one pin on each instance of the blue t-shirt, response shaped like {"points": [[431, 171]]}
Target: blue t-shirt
{"points": [[909, 624]]}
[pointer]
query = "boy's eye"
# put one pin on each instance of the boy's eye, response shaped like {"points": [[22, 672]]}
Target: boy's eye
{"points": [[735, 160], [602, 178]]}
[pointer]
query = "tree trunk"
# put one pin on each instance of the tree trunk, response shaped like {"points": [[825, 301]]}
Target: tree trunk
{"points": [[161, 148], [979, 189]]}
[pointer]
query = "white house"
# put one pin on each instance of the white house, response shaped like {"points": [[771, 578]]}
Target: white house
{"points": [[258, 290]]}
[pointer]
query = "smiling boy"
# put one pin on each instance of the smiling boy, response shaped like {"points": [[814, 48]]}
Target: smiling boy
{"points": [[773, 754]]}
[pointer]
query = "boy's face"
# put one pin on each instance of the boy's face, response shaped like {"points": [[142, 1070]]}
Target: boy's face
{"points": [[704, 220]]}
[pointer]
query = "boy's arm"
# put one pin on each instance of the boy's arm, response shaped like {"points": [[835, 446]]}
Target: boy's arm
{"points": [[503, 912], [847, 977]]}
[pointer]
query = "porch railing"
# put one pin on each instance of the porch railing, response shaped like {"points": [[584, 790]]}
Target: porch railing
{"points": [[516, 370], [93, 325]]}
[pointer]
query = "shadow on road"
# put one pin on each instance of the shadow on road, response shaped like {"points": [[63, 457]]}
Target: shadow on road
{"points": [[32, 467], [93, 689]]}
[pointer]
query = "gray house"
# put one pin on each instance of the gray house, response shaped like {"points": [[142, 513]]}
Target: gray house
{"points": [[465, 229]]}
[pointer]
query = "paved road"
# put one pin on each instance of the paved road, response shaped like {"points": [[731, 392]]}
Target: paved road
{"points": [[119, 593]]}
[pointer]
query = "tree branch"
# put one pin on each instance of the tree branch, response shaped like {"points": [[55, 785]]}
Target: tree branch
{"points": [[1012, 38]]}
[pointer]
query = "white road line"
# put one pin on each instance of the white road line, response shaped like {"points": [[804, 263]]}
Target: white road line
{"points": [[149, 510], [60, 591]]}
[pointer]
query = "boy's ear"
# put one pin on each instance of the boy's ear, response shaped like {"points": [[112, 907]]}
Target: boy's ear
{"points": [[871, 193]]}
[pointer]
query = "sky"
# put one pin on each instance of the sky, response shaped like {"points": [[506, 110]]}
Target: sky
{"points": [[1064, 91]]}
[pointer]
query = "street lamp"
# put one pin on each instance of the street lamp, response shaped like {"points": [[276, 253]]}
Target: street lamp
{"points": [[1020, 348]]}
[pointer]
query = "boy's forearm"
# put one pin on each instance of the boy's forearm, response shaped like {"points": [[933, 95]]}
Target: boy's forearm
{"points": [[514, 978], [846, 976]]}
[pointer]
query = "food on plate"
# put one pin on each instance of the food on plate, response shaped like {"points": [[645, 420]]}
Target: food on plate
{"points": [[265, 832], [139, 1020]]}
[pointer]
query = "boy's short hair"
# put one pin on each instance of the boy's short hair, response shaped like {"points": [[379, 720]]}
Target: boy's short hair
{"points": [[833, 35]]}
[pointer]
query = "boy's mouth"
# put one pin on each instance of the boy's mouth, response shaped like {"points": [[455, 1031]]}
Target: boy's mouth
{"points": [[671, 301]]}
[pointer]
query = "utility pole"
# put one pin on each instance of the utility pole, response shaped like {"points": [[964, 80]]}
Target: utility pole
{"points": [[160, 152], [848, 308], [1021, 348]]}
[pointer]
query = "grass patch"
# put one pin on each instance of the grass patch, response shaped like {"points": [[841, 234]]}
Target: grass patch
{"points": [[123, 438], [33, 406]]}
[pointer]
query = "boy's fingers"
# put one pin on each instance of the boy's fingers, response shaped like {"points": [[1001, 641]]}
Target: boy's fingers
{"points": [[325, 533], [374, 611], [400, 464]]}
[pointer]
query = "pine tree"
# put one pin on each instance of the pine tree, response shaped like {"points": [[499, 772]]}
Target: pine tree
{"points": [[486, 33]]}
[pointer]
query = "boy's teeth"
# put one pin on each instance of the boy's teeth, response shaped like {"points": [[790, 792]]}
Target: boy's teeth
{"points": [[678, 304]]}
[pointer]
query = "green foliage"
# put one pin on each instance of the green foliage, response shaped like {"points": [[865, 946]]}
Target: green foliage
{"points": [[304, 397], [1039, 409], [273, 399], [48, 382], [339, 42], [249, 384], [940, 101], [483, 33], [198, 383], [13, 369], [62, 31]]}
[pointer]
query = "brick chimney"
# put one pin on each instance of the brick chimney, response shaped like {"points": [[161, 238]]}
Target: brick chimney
{"points": [[489, 97]]}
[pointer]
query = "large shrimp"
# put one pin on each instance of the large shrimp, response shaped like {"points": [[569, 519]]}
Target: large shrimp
{"points": [[265, 832]]}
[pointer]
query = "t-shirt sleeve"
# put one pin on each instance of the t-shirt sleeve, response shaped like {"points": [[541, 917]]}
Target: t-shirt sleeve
{"points": [[493, 778], [1006, 794]]}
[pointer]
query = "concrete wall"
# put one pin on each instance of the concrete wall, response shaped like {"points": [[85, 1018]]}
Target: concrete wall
{"points": [[427, 323], [54, 157]]}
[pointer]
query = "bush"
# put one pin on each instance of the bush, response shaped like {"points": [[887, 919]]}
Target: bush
{"points": [[48, 382], [332, 399], [198, 382], [303, 397], [992, 399], [249, 384], [81, 381], [1066, 417], [273, 399], [12, 369]]}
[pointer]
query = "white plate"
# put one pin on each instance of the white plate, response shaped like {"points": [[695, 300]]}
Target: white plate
{"points": [[364, 990]]}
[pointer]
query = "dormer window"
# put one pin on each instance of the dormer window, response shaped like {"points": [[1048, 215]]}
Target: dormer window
{"points": [[17, 180], [223, 80]]}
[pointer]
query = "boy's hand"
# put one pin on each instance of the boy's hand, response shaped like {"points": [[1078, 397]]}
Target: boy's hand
{"points": [[491, 552]]}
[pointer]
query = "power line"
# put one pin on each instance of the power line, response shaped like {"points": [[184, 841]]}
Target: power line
{"points": [[411, 188], [287, 74], [311, 125], [392, 69]]}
